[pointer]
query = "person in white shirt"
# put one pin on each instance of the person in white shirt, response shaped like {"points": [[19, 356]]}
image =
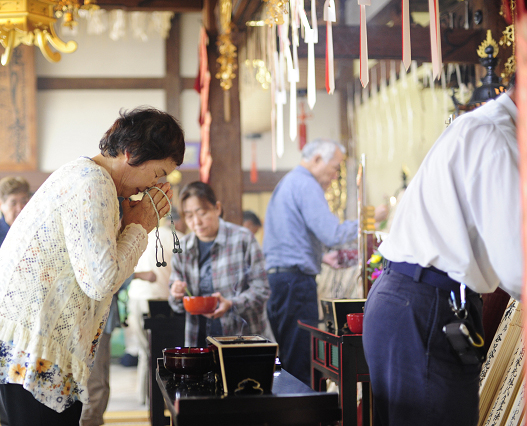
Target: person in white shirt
{"points": [[65, 256], [150, 283], [457, 230]]}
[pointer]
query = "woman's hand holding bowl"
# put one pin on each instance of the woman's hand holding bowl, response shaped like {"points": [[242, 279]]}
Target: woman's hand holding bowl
{"points": [[224, 306]]}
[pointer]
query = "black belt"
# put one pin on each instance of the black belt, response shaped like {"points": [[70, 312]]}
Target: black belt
{"points": [[431, 275], [280, 270]]}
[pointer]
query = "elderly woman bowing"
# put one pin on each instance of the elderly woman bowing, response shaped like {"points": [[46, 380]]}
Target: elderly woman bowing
{"points": [[64, 257]]}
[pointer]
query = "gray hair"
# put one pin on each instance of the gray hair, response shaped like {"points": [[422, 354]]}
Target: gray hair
{"points": [[323, 147]]}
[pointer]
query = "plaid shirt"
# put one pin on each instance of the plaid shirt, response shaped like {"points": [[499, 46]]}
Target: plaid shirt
{"points": [[238, 273]]}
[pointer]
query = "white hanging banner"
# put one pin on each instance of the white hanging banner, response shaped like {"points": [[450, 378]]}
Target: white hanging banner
{"points": [[271, 49], [309, 39], [407, 47], [280, 100], [314, 21], [330, 16], [291, 77], [364, 78], [435, 38]]}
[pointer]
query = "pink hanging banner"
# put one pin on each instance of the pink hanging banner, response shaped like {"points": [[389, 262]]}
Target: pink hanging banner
{"points": [[435, 39], [329, 17]]}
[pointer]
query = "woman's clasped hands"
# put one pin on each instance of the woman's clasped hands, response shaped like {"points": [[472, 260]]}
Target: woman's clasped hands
{"points": [[143, 212]]}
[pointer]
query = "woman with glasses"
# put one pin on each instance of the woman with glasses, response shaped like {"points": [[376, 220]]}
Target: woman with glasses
{"points": [[223, 260]]}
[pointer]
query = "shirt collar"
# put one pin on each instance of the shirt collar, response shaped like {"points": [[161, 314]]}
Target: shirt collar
{"points": [[506, 101]]}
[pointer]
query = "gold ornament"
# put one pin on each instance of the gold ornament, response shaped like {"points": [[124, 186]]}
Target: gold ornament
{"points": [[508, 39], [174, 177], [488, 42], [276, 9], [337, 193]]}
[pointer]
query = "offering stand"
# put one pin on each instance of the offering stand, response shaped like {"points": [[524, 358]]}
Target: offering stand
{"points": [[340, 357], [165, 329], [290, 403]]}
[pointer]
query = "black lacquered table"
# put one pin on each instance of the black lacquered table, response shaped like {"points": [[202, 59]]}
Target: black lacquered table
{"points": [[290, 403]]}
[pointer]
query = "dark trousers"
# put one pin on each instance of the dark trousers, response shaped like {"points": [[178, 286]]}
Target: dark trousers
{"points": [[293, 297], [22, 409], [416, 377]]}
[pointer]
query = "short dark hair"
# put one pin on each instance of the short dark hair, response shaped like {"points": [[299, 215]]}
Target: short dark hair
{"points": [[198, 189], [252, 217], [10, 185], [147, 134]]}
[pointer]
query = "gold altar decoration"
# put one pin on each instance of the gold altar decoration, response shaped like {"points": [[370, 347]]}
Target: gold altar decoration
{"points": [[507, 39], [256, 53], [276, 9], [31, 22], [337, 193], [227, 58], [174, 177], [489, 41]]}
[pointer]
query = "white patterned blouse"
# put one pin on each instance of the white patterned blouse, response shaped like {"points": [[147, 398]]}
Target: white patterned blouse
{"points": [[60, 264]]}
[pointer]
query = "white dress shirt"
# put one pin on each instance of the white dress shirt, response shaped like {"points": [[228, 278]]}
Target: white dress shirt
{"points": [[462, 211]]}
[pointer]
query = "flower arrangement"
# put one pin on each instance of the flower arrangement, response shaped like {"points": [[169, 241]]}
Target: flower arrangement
{"points": [[374, 266]]}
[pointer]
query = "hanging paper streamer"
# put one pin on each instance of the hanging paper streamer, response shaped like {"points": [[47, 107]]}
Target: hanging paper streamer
{"points": [[364, 77], [314, 20], [329, 16], [292, 79], [280, 100], [435, 38], [254, 167], [309, 38], [202, 85], [271, 48], [407, 48], [293, 74]]}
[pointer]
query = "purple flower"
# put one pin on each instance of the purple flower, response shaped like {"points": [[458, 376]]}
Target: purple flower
{"points": [[375, 274]]}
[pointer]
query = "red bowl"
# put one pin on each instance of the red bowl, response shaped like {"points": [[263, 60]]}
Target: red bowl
{"points": [[196, 305], [188, 361], [355, 322]]}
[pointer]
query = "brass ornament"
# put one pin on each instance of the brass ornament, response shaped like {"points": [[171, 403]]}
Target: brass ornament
{"points": [[276, 9], [488, 42], [31, 22], [508, 39], [337, 193]]}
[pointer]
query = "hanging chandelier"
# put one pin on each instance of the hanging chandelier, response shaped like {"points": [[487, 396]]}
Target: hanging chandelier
{"points": [[31, 22]]}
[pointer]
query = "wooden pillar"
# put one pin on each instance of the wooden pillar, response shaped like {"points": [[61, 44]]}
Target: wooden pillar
{"points": [[226, 178], [172, 78], [18, 129]]}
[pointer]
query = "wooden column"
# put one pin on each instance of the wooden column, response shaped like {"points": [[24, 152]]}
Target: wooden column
{"points": [[18, 134], [172, 78], [226, 177]]}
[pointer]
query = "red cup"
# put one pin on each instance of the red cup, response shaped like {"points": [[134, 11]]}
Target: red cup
{"points": [[355, 322]]}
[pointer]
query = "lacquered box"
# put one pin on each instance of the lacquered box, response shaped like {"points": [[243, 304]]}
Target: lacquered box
{"points": [[334, 311], [245, 365]]}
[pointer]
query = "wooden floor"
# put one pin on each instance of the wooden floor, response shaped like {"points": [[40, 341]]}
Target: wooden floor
{"points": [[124, 408], [127, 418]]}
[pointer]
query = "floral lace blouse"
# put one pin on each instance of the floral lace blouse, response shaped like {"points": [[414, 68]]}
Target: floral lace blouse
{"points": [[60, 264]]}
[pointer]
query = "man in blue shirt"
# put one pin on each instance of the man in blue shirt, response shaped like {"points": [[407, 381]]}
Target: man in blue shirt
{"points": [[298, 225]]}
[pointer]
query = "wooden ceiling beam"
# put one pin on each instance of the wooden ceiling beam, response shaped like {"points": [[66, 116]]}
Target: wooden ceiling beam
{"points": [[177, 6], [458, 45]]}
